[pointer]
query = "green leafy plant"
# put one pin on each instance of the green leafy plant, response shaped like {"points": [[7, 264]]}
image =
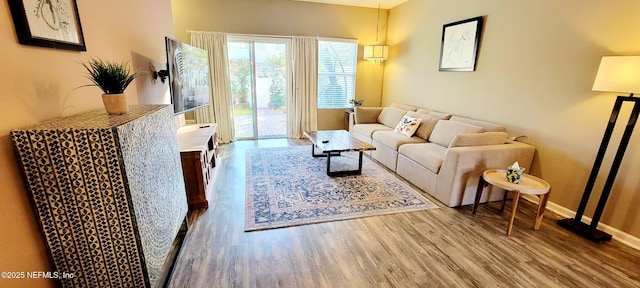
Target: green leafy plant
{"points": [[110, 77], [356, 102]]}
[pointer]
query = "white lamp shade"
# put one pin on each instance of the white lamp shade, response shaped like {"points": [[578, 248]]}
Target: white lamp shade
{"points": [[618, 74], [376, 52]]}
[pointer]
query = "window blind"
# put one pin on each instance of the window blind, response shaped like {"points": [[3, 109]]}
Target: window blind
{"points": [[337, 61]]}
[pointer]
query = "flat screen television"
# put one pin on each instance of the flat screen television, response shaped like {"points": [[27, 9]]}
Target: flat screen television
{"points": [[188, 72]]}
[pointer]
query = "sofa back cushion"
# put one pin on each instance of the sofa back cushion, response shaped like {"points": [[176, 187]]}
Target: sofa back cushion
{"points": [[435, 114], [403, 106], [367, 114], [478, 139], [488, 126], [446, 130], [390, 116], [423, 110], [439, 115], [426, 126]]}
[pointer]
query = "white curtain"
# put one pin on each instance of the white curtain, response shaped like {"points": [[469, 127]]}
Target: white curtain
{"points": [[303, 102], [221, 111]]}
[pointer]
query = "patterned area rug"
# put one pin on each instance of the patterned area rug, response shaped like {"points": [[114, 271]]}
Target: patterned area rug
{"points": [[288, 187]]}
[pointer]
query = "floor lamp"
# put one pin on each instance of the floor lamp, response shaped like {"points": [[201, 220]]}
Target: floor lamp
{"points": [[616, 74]]}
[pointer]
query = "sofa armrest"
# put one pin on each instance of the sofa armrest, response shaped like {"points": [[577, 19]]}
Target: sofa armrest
{"points": [[462, 167], [367, 114]]}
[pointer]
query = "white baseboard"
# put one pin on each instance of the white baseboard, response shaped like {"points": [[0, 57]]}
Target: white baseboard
{"points": [[621, 236]]}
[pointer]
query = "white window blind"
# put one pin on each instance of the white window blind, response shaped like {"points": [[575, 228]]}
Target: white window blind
{"points": [[337, 61]]}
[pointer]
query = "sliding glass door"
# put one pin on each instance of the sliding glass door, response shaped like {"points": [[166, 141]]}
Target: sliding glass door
{"points": [[260, 81]]}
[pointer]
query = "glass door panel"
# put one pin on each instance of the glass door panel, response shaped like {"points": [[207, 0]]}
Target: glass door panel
{"points": [[260, 84], [271, 89], [241, 74]]}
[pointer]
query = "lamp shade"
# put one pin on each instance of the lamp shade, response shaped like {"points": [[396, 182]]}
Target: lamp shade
{"points": [[377, 53], [618, 74]]}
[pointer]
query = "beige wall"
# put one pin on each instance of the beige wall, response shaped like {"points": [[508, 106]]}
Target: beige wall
{"points": [[535, 70], [40, 83], [292, 18]]}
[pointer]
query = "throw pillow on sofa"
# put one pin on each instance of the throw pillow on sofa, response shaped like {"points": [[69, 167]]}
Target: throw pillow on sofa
{"points": [[407, 126], [446, 130]]}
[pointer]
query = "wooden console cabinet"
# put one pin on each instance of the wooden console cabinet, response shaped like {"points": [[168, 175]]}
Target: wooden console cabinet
{"points": [[198, 145]]}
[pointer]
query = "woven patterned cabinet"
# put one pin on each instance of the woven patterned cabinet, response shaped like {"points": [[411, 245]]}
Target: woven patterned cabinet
{"points": [[108, 191]]}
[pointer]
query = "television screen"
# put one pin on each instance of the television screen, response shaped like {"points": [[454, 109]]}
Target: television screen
{"points": [[188, 69]]}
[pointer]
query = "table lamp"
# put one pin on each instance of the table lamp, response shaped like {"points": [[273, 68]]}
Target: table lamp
{"points": [[616, 74]]}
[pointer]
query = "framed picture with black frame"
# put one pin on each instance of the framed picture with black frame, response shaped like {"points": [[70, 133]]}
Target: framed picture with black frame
{"points": [[459, 50], [47, 23]]}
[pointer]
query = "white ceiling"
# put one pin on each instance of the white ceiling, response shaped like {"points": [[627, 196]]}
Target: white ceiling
{"points": [[384, 4]]}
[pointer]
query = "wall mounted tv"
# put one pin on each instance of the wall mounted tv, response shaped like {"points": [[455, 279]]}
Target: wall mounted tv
{"points": [[188, 71]]}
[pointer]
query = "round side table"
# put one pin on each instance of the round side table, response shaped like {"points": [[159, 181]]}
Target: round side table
{"points": [[528, 185]]}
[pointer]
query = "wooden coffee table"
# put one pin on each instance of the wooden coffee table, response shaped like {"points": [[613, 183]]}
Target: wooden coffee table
{"points": [[334, 142]]}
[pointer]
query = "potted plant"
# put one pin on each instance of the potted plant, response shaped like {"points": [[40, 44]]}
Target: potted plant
{"points": [[355, 102], [112, 78]]}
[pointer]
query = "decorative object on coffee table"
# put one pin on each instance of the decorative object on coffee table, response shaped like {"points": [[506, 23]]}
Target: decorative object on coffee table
{"points": [[112, 78], [528, 185]]}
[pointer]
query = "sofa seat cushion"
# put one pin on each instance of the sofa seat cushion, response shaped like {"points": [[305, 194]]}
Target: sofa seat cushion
{"points": [[368, 129], [429, 155], [394, 140], [446, 130]]}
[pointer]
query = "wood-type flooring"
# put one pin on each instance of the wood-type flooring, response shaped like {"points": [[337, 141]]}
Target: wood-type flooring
{"points": [[445, 247]]}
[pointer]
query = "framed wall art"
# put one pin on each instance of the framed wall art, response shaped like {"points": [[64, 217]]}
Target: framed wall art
{"points": [[459, 50], [46, 23]]}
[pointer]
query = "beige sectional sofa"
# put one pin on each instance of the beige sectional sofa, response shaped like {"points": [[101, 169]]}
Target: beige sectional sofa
{"points": [[445, 156]]}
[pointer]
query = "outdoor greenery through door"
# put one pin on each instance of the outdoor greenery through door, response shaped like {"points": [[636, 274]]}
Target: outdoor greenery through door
{"points": [[259, 80]]}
